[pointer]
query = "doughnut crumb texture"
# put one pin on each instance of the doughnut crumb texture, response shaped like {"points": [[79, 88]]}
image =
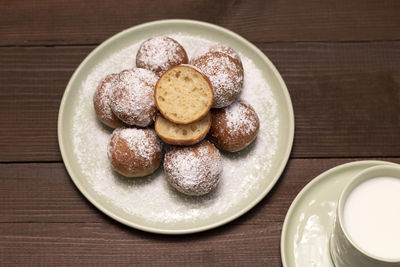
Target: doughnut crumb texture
{"points": [[180, 134], [193, 170], [134, 152], [160, 53], [183, 95]]}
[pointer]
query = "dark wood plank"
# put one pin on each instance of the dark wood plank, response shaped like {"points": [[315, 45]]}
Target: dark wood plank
{"points": [[45, 221], [96, 244], [82, 22], [346, 97], [32, 82], [45, 193]]}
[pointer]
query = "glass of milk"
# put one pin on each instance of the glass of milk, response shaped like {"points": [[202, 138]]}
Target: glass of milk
{"points": [[367, 226]]}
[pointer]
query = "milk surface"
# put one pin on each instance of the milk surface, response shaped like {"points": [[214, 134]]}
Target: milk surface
{"points": [[372, 216]]}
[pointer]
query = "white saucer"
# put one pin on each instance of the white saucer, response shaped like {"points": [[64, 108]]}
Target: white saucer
{"points": [[310, 219]]}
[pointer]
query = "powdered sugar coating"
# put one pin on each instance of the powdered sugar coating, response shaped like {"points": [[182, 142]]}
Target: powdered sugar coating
{"points": [[225, 74], [133, 98], [134, 152], [152, 198], [102, 101], [240, 117], [218, 48], [160, 53], [234, 127], [143, 142], [193, 170]]}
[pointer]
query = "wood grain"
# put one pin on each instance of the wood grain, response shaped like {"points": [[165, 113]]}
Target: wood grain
{"points": [[90, 22], [45, 221], [346, 97], [32, 82], [109, 244], [44, 193]]}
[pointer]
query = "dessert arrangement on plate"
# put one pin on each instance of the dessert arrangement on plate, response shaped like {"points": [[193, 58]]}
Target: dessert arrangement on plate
{"points": [[175, 126], [165, 90], [177, 130]]}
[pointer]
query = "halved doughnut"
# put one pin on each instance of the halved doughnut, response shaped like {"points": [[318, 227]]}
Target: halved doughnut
{"points": [[183, 94], [180, 134]]}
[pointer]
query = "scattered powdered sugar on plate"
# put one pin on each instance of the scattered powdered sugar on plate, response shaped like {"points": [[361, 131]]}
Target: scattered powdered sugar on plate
{"points": [[151, 197]]}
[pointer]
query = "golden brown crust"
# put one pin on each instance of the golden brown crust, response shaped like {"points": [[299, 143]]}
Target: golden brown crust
{"points": [[102, 100], [166, 113], [233, 128], [196, 131], [129, 158]]}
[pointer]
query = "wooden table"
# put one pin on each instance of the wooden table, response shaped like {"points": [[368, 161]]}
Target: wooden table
{"points": [[341, 63]]}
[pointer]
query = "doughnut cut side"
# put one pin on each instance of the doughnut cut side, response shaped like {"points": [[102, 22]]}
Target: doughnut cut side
{"points": [[179, 134], [183, 95]]}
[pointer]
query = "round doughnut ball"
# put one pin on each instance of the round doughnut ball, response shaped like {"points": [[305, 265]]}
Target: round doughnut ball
{"points": [[233, 128], [133, 98], [225, 74], [102, 100], [219, 48], [134, 152], [193, 170], [160, 53]]}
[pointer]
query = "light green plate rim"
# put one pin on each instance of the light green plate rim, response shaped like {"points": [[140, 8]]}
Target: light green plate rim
{"points": [[294, 206], [209, 31]]}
